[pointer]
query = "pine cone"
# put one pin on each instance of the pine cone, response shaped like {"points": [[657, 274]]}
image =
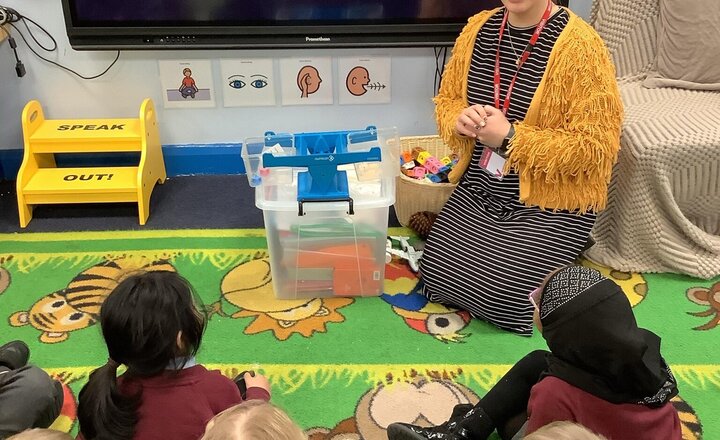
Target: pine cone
{"points": [[421, 222]]}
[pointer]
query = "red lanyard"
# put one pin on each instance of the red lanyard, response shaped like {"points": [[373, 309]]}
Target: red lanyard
{"points": [[526, 54]]}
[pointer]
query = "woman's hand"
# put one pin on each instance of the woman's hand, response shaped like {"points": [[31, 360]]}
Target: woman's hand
{"points": [[485, 123], [471, 120], [496, 128]]}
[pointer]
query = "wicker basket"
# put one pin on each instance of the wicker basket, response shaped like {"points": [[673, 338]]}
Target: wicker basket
{"points": [[413, 195]]}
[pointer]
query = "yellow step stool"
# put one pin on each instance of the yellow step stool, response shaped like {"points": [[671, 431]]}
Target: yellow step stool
{"points": [[39, 181]]}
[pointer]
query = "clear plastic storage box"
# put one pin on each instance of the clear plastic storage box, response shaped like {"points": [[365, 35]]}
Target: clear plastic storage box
{"points": [[325, 200]]}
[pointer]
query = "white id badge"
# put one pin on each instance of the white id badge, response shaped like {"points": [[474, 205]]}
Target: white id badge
{"points": [[492, 163]]}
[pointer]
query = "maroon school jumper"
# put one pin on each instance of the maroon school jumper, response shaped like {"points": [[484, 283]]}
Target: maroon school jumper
{"points": [[178, 405], [553, 399]]}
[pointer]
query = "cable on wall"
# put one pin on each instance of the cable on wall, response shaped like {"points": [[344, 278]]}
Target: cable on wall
{"points": [[11, 16]]}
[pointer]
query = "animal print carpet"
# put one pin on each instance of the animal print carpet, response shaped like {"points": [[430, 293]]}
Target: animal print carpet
{"points": [[343, 368]]}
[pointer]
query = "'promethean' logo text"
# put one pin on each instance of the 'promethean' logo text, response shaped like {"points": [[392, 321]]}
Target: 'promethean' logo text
{"points": [[317, 39]]}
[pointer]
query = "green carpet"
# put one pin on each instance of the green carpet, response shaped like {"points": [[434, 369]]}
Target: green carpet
{"points": [[341, 367]]}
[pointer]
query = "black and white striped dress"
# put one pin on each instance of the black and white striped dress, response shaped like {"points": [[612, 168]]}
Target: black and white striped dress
{"points": [[487, 251]]}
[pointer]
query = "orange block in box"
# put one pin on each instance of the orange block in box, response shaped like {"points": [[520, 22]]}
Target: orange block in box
{"points": [[354, 269]]}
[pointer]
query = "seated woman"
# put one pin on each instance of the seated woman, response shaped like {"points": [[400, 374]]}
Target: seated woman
{"points": [[534, 166], [602, 372]]}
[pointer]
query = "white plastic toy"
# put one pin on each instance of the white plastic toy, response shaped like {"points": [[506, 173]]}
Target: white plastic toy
{"points": [[407, 251]]}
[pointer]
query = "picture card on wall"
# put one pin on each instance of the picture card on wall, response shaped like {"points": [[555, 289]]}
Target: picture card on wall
{"points": [[187, 83], [364, 80], [306, 81], [248, 82]]}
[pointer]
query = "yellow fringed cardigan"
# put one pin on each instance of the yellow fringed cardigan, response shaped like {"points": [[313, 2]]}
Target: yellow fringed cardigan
{"points": [[565, 148]]}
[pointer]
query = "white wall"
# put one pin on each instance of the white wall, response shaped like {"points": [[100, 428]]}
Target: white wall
{"points": [[135, 76]]}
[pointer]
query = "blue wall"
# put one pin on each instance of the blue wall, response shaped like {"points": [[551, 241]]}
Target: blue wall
{"points": [[180, 160]]}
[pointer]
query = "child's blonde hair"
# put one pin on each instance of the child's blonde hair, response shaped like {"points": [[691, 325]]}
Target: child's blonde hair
{"points": [[564, 431], [253, 420], [41, 434]]}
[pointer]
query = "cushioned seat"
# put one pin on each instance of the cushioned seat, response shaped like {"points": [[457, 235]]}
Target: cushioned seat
{"points": [[663, 210]]}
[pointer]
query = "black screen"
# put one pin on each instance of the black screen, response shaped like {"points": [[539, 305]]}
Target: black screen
{"points": [[267, 23], [274, 12]]}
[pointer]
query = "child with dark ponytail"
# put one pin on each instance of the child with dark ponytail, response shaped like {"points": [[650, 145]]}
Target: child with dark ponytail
{"points": [[151, 325]]}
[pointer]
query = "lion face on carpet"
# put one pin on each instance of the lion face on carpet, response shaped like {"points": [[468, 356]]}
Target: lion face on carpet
{"points": [[248, 286]]}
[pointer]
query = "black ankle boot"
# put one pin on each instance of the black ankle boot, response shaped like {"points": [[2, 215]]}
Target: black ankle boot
{"points": [[406, 431], [475, 424], [445, 431]]}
